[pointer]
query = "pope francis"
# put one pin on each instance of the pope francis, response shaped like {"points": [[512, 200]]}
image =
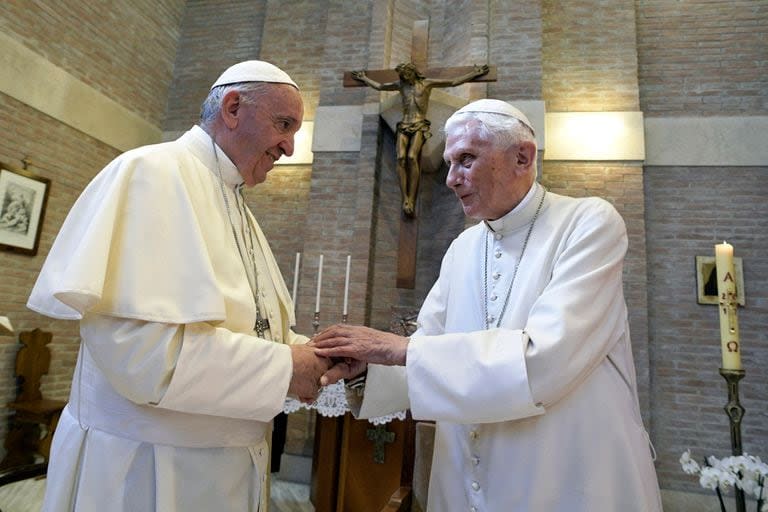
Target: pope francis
{"points": [[187, 351]]}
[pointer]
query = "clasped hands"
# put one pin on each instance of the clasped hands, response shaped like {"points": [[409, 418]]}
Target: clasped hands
{"points": [[342, 351]]}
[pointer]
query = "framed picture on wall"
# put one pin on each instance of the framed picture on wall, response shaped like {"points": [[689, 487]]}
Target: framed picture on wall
{"points": [[23, 197], [706, 280]]}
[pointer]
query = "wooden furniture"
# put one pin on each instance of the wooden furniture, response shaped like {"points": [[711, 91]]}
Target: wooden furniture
{"points": [[357, 465], [30, 429], [401, 500], [361, 467]]}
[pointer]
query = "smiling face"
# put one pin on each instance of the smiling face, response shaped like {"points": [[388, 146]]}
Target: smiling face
{"points": [[489, 179], [261, 128]]}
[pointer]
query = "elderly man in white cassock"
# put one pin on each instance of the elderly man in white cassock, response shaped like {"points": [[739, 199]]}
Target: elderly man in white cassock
{"points": [[522, 354], [187, 350]]}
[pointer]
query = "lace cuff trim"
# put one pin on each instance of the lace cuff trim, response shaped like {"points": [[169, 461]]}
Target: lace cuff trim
{"points": [[332, 402]]}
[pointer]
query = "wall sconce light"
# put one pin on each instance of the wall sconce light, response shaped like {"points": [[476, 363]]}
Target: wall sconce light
{"points": [[302, 146], [594, 136]]}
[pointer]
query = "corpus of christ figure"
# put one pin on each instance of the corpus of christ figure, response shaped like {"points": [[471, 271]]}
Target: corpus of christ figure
{"points": [[413, 129]]}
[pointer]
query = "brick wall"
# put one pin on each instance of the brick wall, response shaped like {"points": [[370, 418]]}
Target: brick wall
{"points": [[688, 211], [590, 56], [703, 57], [123, 49], [515, 41], [212, 37], [280, 206]]}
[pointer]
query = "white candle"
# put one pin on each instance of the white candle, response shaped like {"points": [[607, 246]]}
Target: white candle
{"points": [[726, 291], [296, 279], [346, 284], [319, 283]]}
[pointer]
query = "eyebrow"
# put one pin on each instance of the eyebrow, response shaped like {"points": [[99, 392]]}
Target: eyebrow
{"points": [[280, 118]]}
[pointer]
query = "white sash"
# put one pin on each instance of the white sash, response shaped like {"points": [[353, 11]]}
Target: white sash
{"points": [[97, 405]]}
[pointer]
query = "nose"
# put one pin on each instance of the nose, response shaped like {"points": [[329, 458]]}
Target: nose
{"points": [[452, 180], [287, 145]]}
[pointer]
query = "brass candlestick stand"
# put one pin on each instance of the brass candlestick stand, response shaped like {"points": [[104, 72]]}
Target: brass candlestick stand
{"points": [[735, 412], [344, 318], [316, 321]]}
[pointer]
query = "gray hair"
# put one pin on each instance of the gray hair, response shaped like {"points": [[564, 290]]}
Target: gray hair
{"points": [[505, 130], [250, 92]]}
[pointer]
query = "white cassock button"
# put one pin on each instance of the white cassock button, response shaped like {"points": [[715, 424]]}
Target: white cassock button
{"points": [[475, 486], [498, 236], [498, 254], [475, 461], [496, 275], [494, 297], [490, 319]]}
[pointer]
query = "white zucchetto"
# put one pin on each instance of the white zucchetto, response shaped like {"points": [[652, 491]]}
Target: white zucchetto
{"points": [[253, 71], [496, 107]]}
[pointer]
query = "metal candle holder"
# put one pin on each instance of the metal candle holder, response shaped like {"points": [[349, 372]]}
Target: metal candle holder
{"points": [[344, 318], [316, 321], [735, 412]]}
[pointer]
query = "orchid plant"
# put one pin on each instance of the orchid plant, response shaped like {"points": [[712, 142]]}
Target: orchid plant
{"points": [[745, 472]]}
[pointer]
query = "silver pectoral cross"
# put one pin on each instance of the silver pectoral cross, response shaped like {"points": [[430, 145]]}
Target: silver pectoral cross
{"points": [[261, 325]]}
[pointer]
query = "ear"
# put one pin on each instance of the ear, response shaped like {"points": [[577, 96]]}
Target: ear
{"points": [[230, 109], [525, 155]]}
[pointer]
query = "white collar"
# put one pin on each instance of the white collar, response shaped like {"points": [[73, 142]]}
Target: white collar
{"points": [[521, 215], [201, 145]]}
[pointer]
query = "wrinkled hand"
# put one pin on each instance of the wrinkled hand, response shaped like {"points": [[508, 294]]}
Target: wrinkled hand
{"points": [[308, 367], [343, 369], [361, 344]]}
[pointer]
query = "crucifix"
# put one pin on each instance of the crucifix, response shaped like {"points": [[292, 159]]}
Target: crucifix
{"points": [[415, 88], [261, 325], [380, 437]]}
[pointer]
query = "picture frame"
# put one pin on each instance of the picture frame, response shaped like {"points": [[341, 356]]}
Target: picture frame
{"points": [[706, 280], [23, 198]]}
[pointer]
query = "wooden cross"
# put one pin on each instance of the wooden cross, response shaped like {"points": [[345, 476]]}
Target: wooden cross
{"points": [[380, 437], [415, 102]]}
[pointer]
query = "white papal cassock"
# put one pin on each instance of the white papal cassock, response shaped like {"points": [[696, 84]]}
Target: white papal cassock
{"points": [[540, 414], [173, 392]]}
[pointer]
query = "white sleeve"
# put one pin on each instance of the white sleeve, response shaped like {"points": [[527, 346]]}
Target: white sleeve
{"points": [[474, 377], [194, 368], [386, 392]]}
